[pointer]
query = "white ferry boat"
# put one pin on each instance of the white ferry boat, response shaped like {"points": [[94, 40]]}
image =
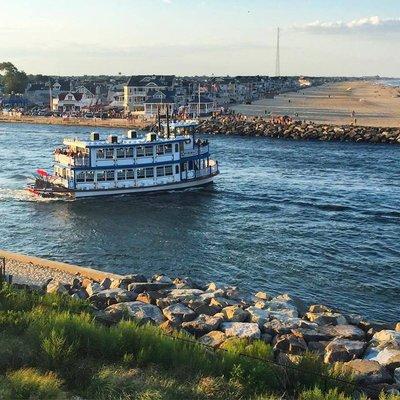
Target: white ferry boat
{"points": [[171, 159]]}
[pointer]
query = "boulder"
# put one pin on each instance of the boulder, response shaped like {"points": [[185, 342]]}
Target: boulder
{"points": [[162, 279], [387, 338], [289, 343], [396, 375], [295, 301], [248, 330], [313, 334], [235, 314], [367, 372], [137, 310], [207, 296], [343, 350], [165, 302], [390, 358], [327, 318], [125, 281], [118, 294], [105, 283], [179, 313], [317, 347], [343, 331], [202, 324], [92, 288], [149, 297], [213, 339], [222, 302], [185, 293], [286, 325], [170, 327], [267, 338], [204, 309], [56, 287], [140, 287], [279, 307], [319, 308], [258, 315], [263, 296], [397, 327]]}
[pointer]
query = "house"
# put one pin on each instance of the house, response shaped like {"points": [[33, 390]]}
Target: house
{"points": [[137, 89], [68, 101], [38, 93], [201, 106], [159, 100]]}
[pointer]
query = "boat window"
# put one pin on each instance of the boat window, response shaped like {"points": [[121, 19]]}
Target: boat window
{"points": [[100, 176], [160, 171], [100, 153], [140, 173], [177, 169], [139, 151], [190, 167], [149, 172], [130, 174], [168, 170], [129, 151], [148, 151], [109, 153], [109, 175], [121, 174], [176, 147], [168, 148], [160, 149], [89, 176], [80, 177], [121, 153]]}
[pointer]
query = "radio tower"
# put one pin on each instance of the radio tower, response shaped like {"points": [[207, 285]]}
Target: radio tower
{"points": [[277, 63]]}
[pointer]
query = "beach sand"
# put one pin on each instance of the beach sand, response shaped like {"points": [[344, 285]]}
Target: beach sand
{"points": [[333, 103]]}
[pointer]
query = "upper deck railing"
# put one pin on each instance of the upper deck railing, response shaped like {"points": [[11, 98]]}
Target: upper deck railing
{"points": [[71, 160]]}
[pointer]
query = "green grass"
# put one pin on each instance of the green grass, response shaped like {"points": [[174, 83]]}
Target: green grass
{"points": [[51, 345]]}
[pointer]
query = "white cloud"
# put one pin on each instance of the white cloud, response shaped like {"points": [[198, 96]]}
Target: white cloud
{"points": [[369, 24]]}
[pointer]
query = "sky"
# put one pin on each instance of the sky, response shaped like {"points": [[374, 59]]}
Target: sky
{"points": [[201, 37]]}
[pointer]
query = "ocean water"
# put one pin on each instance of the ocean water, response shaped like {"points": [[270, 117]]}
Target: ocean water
{"points": [[319, 220]]}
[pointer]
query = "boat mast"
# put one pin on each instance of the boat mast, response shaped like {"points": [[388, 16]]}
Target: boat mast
{"points": [[168, 130]]}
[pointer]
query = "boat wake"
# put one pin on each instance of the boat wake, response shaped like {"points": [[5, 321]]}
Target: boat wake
{"points": [[23, 196]]}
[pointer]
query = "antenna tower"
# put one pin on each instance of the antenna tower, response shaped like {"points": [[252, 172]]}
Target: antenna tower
{"points": [[277, 63]]}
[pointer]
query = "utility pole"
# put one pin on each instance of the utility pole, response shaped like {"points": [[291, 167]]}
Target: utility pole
{"points": [[277, 63]]}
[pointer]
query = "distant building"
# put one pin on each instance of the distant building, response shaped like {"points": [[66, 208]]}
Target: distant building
{"points": [[136, 91], [159, 100], [68, 102]]}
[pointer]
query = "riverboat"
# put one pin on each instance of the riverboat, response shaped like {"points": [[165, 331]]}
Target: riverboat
{"points": [[170, 159]]}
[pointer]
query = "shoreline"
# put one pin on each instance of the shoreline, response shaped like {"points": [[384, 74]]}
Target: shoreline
{"points": [[214, 314], [95, 123]]}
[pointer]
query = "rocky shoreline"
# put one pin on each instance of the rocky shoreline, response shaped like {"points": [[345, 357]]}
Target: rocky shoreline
{"points": [[215, 314], [286, 128]]}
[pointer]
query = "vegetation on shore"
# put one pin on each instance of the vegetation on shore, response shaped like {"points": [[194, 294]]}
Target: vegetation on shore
{"points": [[52, 347]]}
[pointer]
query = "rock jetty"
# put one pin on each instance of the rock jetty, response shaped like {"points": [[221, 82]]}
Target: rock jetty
{"points": [[214, 314], [286, 128]]}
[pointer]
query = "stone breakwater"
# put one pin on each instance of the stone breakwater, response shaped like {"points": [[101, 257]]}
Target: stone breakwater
{"points": [[215, 314], [297, 130]]}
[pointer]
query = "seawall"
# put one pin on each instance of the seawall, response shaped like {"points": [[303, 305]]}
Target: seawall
{"points": [[297, 130]]}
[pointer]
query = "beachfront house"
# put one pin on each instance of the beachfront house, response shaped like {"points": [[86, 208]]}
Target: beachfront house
{"points": [[159, 100], [139, 87], [201, 107], [69, 102]]}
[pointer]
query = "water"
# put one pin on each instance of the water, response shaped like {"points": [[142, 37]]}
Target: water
{"points": [[319, 220]]}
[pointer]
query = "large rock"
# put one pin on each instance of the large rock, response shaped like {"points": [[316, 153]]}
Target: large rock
{"points": [[285, 325], [248, 330], [202, 324], [390, 358], [118, 294], [290, 344], [313, 334], [149, 297], [125, 281], [343, 350], [397, 327], [213, 339], [179, 313], [368, 372], [235, 314], [396, 376], [105, 283], [137, 310], [343, 331], [387, 338], [222, 302], [263, 296], [162, 279], [295, 301], [278, 307], [258, 315], [327, 318], [92, 288], [185, 294], [140, 287], [56, 287]]}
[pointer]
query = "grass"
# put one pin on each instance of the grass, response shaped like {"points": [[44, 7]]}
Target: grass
{"points": [[51, 346]]}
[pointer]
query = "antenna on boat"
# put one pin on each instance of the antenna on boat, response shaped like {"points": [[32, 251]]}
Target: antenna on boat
{"points": [[159, 119], [167, 114]]}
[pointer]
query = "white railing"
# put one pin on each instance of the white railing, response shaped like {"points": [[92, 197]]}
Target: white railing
{"points": [[69, 160]]}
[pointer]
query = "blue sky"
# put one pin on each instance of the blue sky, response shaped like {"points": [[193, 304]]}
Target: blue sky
{"points": [[188, 37]]}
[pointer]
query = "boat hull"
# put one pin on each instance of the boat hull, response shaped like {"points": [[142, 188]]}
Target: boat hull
{"points": [[145, 189], [57, 192]]}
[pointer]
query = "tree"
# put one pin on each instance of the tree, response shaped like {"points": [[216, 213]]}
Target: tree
{"points": [[14, 81]]}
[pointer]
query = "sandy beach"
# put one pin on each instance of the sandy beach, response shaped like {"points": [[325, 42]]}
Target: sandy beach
{"points": [[333, 103]]}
